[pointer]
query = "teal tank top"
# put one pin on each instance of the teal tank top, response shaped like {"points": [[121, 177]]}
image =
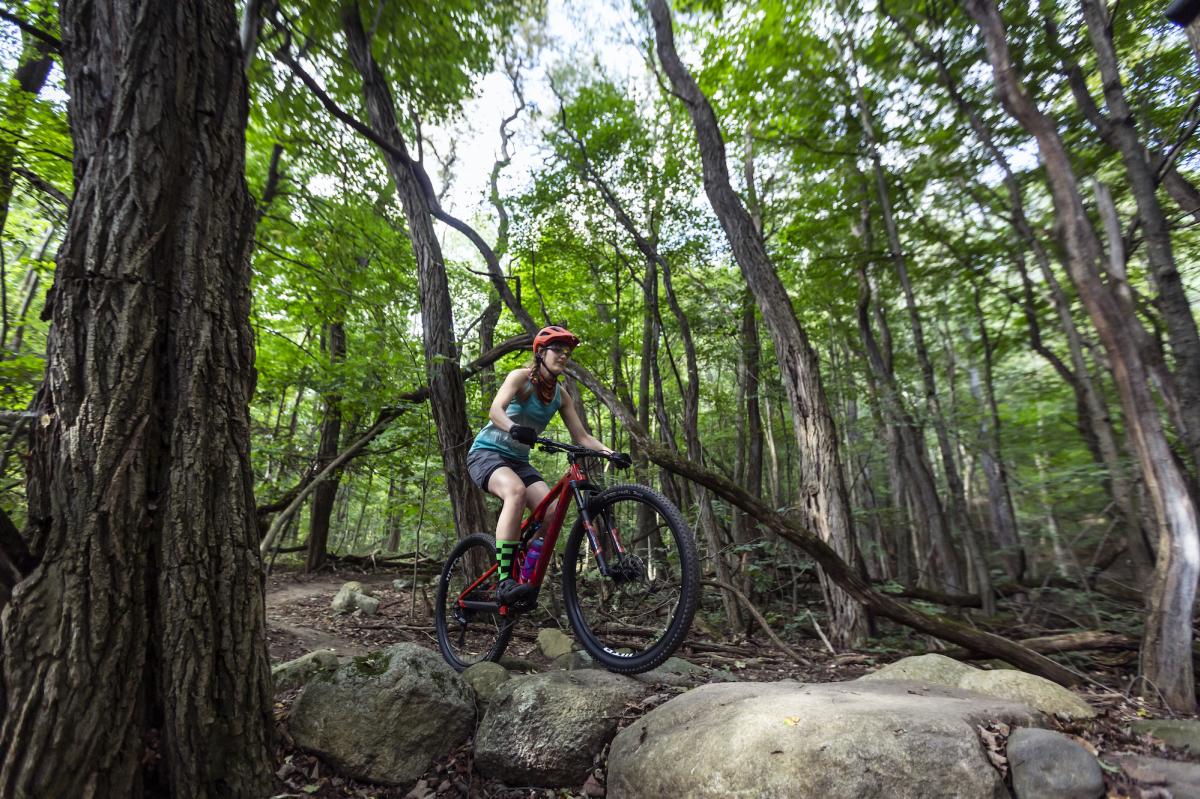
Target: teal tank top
{"points": [[531, 413]]}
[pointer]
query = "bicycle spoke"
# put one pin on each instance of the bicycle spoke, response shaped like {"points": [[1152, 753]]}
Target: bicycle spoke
{"points": [[634, 615]]}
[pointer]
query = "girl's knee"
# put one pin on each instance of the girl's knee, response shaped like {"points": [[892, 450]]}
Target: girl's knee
{"points": [[513, 494]]}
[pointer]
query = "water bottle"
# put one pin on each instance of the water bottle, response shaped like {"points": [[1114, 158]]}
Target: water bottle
{"points": [[531, 558]]}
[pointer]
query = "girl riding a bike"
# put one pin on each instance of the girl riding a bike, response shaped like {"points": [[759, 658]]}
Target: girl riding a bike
{"points": [[499, 458]]}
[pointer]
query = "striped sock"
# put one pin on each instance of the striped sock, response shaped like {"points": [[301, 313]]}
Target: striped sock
{"points": [[505, 554]]}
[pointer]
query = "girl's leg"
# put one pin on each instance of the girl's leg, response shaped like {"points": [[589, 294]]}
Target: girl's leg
{"points": [[505, 484], [535, 493]]}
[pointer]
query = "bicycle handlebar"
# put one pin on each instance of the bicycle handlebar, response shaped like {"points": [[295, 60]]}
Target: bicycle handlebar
{"points": [[574, 450]]}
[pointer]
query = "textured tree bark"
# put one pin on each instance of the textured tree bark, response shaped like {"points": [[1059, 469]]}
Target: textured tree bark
{"points": [[327, 450], [1166, 658], [134, 654], [448, 399], [824, 494]]}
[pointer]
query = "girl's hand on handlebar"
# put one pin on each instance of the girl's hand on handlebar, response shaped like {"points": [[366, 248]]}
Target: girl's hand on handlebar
{"points": [[620, 459], [522, 434]]}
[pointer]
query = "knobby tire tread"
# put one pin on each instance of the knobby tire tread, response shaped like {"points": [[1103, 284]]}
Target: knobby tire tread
{"points": [[443, 624], [657, 654]]}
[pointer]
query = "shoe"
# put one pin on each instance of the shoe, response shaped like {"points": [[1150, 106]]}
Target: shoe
{"points": [[510, 592]]}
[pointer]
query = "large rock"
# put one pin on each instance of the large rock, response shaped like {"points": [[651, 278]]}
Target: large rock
{"points": [[485, 678], [296, 673], [555, 643], [932, 668], [1178, 780], [546, 729], [1183, 733], [853, 740], [1050, 765], [383, 717], [346, 599], [1030, 689]]}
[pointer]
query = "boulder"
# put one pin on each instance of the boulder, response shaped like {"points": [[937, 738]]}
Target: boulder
{"points": [[345, 600], [1183, 733], [385, 716], [555, 643], [518, 664], [546, 729], [931, 668], [399, 585], [367, 605], [296, 673], [1030, 689], [851, 740], [1050, 765], [485, 678], [1173, 778], [573, 661]]}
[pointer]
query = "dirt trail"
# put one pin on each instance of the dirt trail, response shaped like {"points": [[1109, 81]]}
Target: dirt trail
{"points": [[296, 604]]}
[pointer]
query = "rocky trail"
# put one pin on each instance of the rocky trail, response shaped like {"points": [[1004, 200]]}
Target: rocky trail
{"points": [[381, 715]]}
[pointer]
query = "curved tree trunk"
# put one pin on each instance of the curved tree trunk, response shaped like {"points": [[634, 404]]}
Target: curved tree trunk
{"points": [[135, 657], [1143, 182], [448, 398], [825, 503]]}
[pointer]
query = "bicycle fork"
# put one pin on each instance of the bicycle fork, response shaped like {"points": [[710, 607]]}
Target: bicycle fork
{"points": [[593, 537]]}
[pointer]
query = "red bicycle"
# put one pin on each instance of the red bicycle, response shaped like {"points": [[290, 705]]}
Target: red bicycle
{"points": [[630, 591]]}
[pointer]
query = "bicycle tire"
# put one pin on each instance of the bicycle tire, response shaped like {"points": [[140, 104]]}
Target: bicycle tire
{"points": [[669, 577], [467, 637]]}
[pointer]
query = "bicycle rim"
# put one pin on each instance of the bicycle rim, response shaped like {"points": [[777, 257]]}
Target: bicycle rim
{"points": [[631, 615], [470, 636]]}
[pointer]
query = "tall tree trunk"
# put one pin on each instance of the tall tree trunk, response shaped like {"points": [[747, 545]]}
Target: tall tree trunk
{"points": [[905, 438], [1000, 504], [954, 486], [144, 619], [825, 504], [750, 439], [448, 400], [1166, 657], [1143, 182], [334, 342]]}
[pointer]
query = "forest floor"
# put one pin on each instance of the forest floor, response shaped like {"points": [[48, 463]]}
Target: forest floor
{"points": [[300, 620]]}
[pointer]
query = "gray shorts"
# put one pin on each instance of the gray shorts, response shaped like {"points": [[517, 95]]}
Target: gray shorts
{"points": [[481, 463]]}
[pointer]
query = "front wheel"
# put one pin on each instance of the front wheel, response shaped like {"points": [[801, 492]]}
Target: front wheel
{"points": [[470, 635], [634, 612]]}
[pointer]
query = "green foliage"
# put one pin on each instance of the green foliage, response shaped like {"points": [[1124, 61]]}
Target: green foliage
{"points": [[789, 81]]}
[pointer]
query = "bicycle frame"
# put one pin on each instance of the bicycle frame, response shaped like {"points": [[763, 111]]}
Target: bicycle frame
{"points": [[570, 486]]}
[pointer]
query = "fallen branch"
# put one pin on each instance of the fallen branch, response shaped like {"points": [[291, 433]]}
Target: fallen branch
{"points": [[791, 528], [761, 620]]}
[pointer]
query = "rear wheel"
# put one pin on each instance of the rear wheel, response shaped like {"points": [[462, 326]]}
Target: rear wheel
{"points": [[635, 613], [467, 635]]}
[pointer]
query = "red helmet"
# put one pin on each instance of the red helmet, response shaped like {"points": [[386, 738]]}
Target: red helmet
{"points": [[553, 334]]}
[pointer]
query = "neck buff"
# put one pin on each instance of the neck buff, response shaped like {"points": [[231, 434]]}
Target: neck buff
{"points": [[544, 385]]}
